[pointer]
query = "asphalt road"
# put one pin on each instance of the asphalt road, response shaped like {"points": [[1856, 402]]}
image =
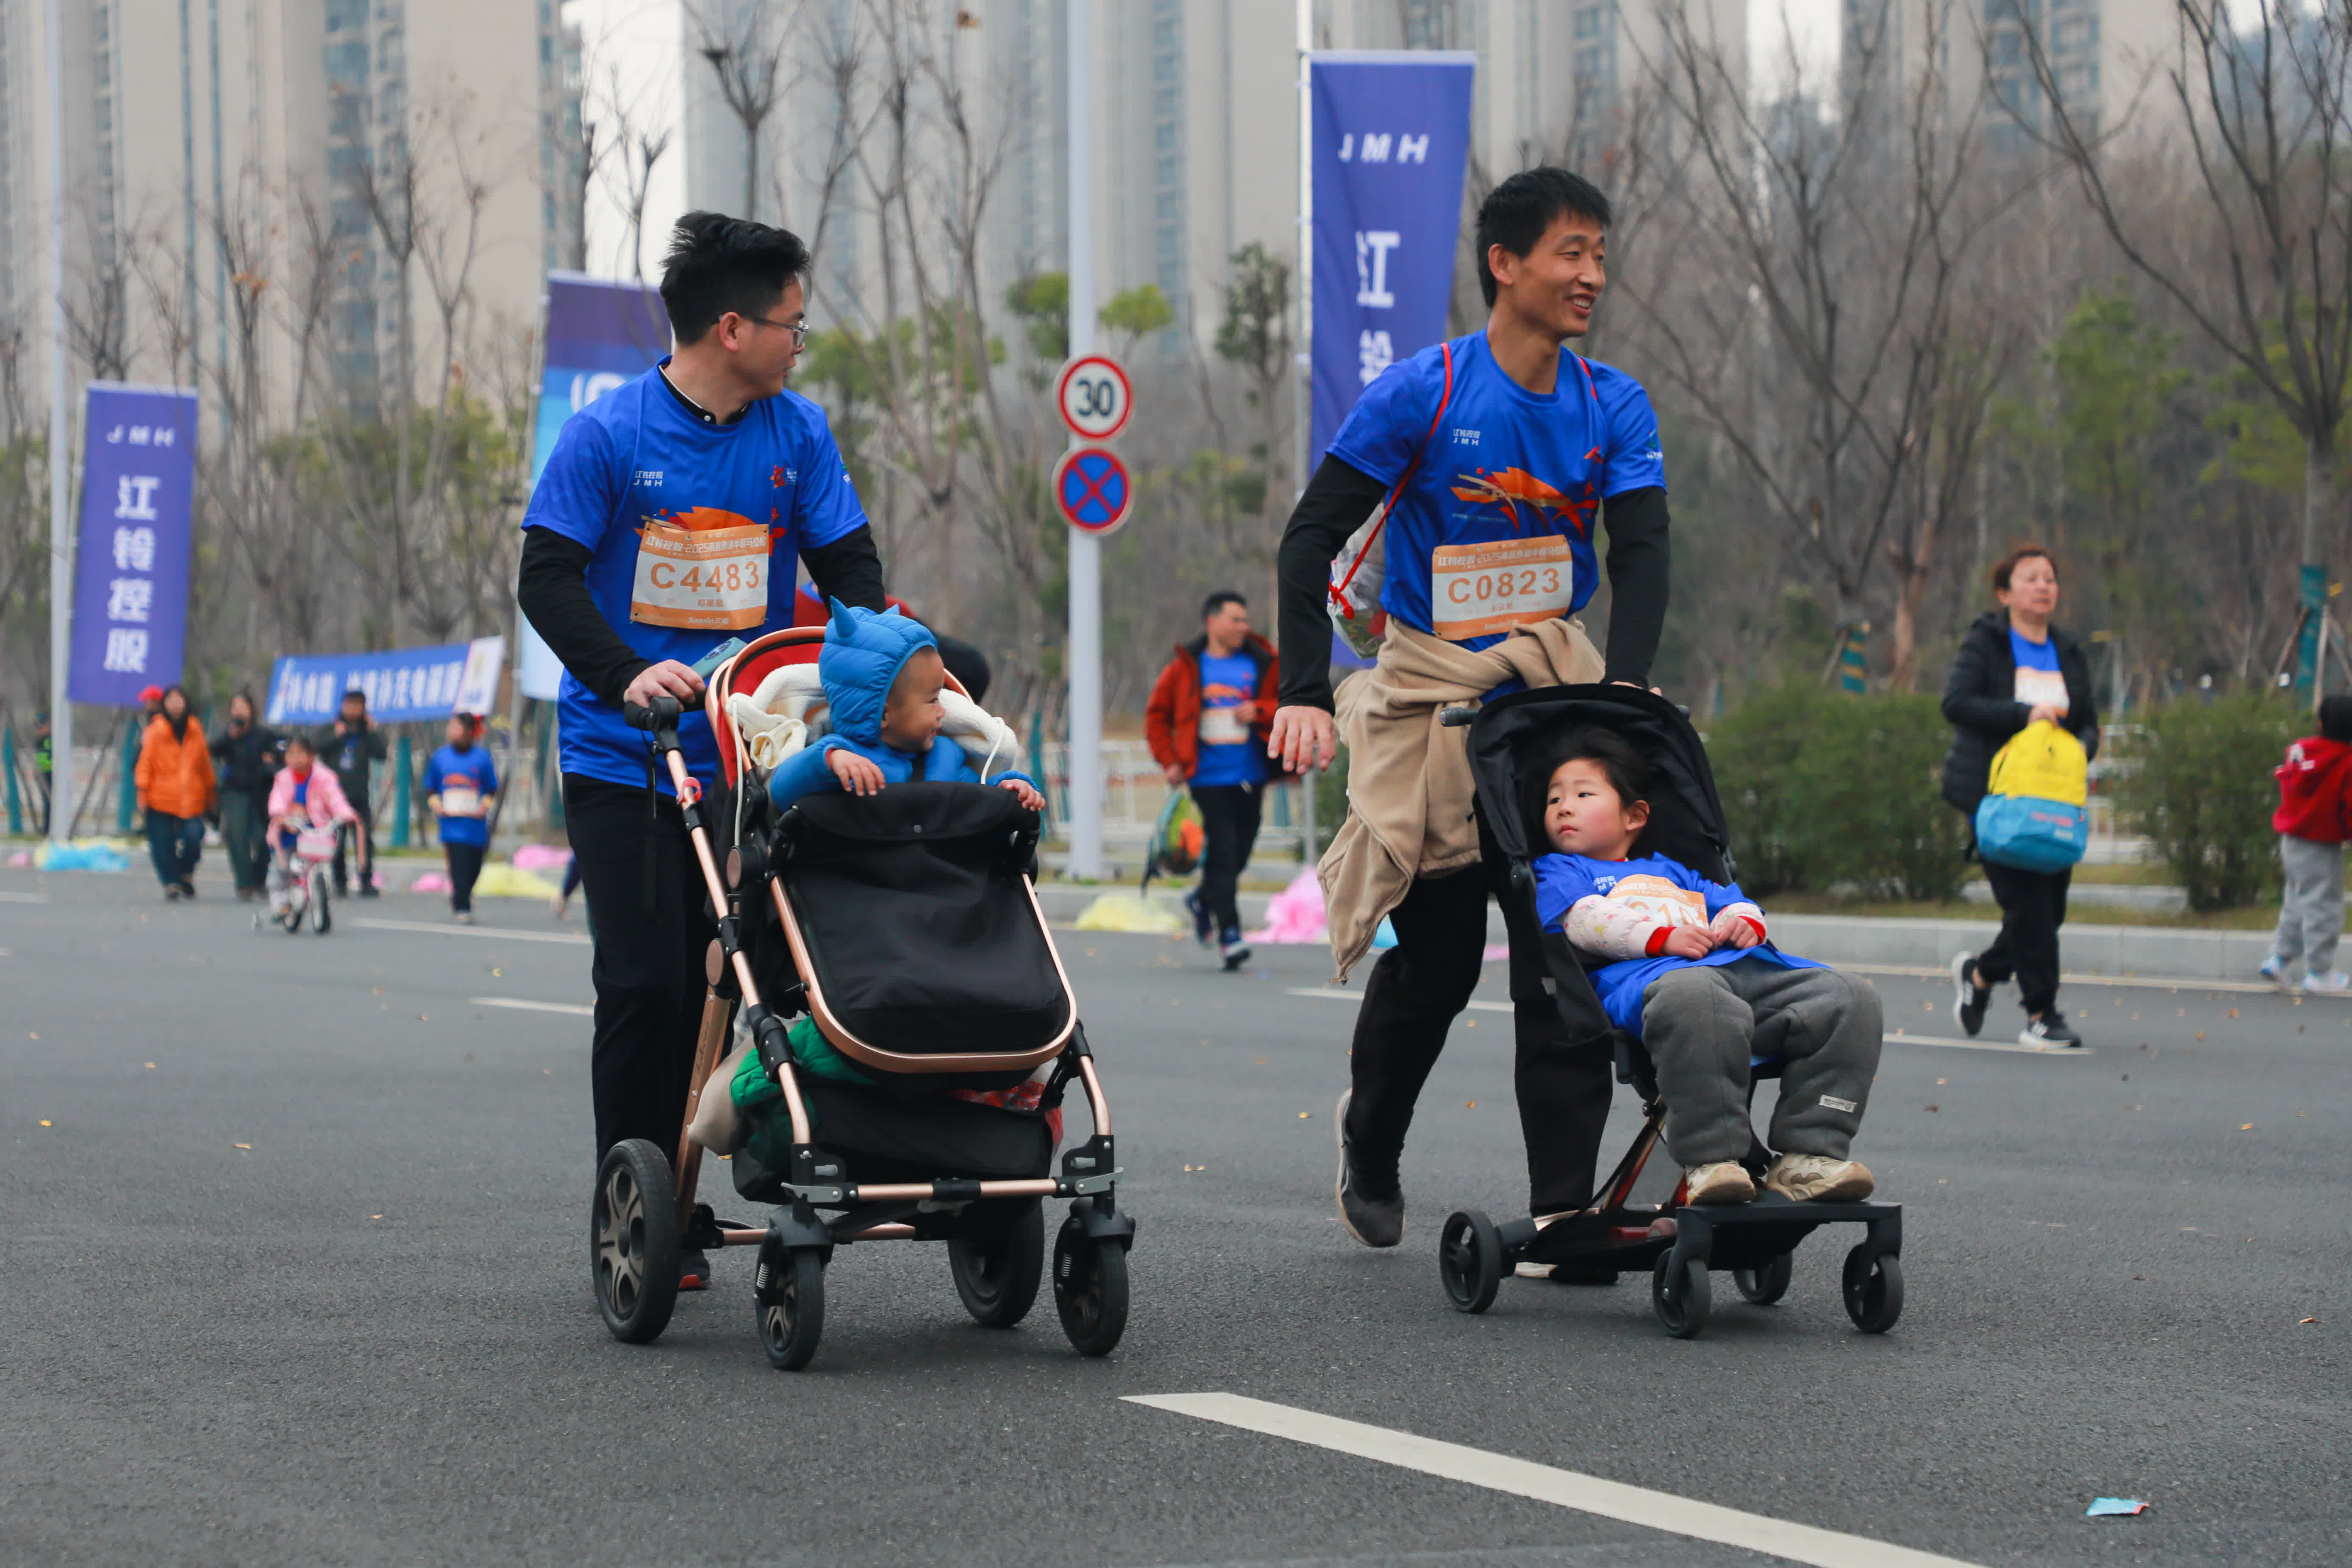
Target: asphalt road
{"points": [[296, 1272]]}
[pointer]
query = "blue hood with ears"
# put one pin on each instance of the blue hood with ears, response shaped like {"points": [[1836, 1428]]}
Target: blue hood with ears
{"points": [[863, 654]]}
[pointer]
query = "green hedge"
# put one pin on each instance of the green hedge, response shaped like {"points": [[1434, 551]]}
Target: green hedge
{"points": [[1824, 790], [2197, 781]]}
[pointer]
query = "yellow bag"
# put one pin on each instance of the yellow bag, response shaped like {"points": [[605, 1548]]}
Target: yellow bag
{"points": [[2042, 762]]}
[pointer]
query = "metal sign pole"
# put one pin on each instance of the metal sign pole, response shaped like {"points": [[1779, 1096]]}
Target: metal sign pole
{"points": [[1306, 412], [61, 539], [1084, 660]]}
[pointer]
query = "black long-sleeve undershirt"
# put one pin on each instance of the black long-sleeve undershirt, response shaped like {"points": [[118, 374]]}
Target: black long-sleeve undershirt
{"points": [[1341, 497], [553, 593]]}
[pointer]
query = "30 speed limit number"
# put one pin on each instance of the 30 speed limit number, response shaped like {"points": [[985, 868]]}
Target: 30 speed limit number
{"points": [[1095, 397]]}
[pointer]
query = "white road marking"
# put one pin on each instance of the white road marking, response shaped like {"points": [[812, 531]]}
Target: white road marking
{"points": [[2141, 982], [1566, 1489], [1332, 994], [23, 897], [582, 1009], [1899, 1038], [429, 929]]}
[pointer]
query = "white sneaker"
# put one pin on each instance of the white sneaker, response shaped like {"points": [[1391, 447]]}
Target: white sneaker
{"points": [[2334, 983], [1720, 1182], [1810, 1178], [2274, 970]]}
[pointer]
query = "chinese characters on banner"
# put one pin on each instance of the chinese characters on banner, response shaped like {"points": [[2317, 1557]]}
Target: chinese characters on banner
{"points": [[1391, 137], [131, 567], [599, 334], [400, 683]]}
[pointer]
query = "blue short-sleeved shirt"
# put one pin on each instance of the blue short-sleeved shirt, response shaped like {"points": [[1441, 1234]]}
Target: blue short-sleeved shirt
{"points": [[1503, 468], [637, 456], [1664, 887], [1227, 683], [469, 769]]}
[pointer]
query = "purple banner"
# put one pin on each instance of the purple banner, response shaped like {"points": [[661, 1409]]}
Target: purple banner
{"points": [[130, 569], [1391, 134]]}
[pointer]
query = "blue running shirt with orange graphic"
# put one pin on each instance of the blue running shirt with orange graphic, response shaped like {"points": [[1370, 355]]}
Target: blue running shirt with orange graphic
{"points": [[1495, 527], [696, 531]]}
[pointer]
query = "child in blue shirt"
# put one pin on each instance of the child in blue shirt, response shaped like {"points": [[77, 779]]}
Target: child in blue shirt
{"points": [[459, 784], [1693, 975], [882, 676]]}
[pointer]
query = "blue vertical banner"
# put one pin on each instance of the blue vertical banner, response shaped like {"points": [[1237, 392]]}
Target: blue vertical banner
{"points": [[131, 564], [599, 334], [1392, 140]]}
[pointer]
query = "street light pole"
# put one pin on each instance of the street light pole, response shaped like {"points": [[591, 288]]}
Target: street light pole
{"points": [[1082, 664], [61, 768]]}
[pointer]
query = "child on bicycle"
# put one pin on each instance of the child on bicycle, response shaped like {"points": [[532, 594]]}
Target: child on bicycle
{"points": [[303, 794]]}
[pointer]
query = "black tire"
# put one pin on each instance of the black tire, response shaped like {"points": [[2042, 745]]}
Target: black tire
{"points": [[1765, 1285], [633, 1241], [1089, 1287], [1682, 1303], [322, 911], [1874, 1289], [788, 1294], [1470, 1261], [998, 1269]]}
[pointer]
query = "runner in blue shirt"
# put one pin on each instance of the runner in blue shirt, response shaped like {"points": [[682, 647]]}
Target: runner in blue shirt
{"points": [[667, 521], [460, 783], [1503, 450]]}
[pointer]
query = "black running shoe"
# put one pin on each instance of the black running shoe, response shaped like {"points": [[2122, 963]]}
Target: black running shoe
{"points": [[1204, 926], [694, 1271], [1235, 952], [1968, 998], [1375, 1223], [2048, 1030]]}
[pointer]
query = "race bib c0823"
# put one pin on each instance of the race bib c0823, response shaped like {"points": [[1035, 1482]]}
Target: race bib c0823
{"points": [[1477, 590], [705, 579]]}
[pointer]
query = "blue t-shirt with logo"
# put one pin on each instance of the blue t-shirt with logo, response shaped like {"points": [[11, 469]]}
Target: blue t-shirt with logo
{"points": [[637, 455], [468, 769], [1227, 683], [1662, 888], [1503, 464]]}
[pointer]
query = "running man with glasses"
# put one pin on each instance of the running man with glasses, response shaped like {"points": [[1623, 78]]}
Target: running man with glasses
{"points": [[671, 516]]}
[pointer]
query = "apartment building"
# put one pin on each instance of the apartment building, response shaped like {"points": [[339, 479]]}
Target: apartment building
{"points": [[2100, 55], [214, 147]]}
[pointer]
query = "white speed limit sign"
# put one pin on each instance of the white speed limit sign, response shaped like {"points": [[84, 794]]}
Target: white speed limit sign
{"points": [[1095, 397]]}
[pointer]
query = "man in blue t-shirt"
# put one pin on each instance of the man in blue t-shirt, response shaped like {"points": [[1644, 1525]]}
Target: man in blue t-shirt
{"points": [[1499, 453], [668, 520], [1206, 724]]}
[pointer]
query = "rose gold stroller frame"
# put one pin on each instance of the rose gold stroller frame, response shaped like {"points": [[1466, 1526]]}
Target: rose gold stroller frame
{"points": [[870, 1211]]}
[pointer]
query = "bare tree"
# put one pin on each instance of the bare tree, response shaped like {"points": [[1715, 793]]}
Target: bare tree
{"points": [[745, 48], [629, 143]]}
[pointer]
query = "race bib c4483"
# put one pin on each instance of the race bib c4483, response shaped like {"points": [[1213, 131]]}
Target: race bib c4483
{"points": [[1477, 590], [706, 579]]}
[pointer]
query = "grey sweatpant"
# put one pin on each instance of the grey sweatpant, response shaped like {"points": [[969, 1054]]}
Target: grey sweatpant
{"points": [[2311, 914], [1701, 1024]]}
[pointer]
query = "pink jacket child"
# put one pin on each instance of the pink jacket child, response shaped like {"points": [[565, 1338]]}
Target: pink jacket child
{"points": [[323, 800]]}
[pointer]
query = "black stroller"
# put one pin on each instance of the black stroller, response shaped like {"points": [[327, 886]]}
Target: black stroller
{"points": [[906, 926], [1756, 1240]]}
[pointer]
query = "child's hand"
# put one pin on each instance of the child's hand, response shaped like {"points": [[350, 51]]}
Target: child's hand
{"points": [[1734, 931], [858, 776], [1026, 791], [1688, 942]]}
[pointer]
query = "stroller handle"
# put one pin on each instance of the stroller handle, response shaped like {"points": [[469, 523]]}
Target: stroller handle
{"points": [[660, 717]]}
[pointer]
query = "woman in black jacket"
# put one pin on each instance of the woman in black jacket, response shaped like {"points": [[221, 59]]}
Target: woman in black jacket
{"points": [[247, 758], [2014, 668]]}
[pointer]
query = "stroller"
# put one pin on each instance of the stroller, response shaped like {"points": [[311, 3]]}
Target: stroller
{"points": [[906, 926], [1756, 1240]]}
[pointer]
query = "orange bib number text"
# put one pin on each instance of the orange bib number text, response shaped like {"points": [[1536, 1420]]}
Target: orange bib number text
{"points": [[711, 579], [1477, 590]]}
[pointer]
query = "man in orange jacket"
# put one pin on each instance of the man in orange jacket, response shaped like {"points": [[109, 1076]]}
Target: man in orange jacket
{"points": [[1207, 726]]}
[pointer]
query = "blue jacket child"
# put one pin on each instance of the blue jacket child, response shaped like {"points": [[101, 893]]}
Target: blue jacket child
{"points": [[885, 696]]}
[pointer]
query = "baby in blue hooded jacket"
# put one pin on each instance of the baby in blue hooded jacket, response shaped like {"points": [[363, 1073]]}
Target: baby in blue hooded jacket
{"points": [[882, 677]]}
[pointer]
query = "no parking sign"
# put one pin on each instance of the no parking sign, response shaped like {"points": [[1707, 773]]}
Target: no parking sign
{"points": [[1092, 490]]}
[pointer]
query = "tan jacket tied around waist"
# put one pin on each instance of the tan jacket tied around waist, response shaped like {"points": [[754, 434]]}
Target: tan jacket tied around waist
{"points": [[1409, 790]]}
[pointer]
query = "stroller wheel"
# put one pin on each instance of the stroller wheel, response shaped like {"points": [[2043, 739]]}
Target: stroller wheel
{"points": [[633, 1239], [1680, 1295], [997, 1268], [788, 1293], [1470, 1261], [1874, 1289], [1765, 1285], [1090, 1286]]}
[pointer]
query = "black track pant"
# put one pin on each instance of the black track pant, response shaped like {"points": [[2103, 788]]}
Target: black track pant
{"points": [[2033, 907], [1416, 990], [464, 867], [1229, 819], [649, 973]]}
